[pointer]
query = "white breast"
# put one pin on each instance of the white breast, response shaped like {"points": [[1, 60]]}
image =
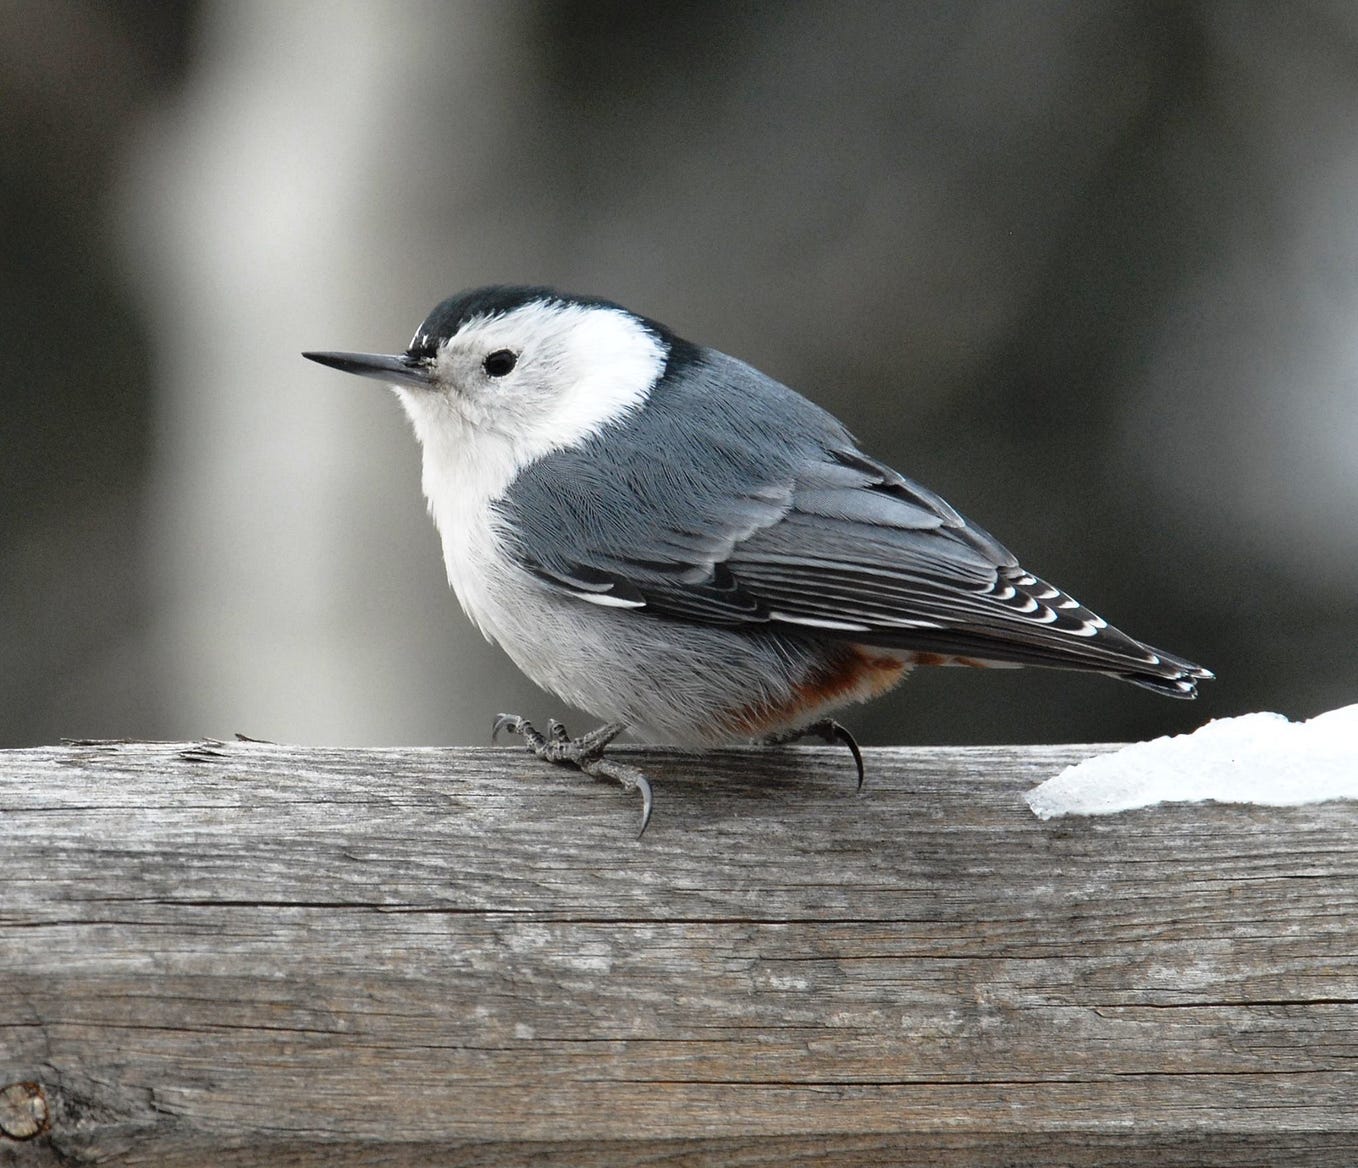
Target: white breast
{"points": [[460, 483]]}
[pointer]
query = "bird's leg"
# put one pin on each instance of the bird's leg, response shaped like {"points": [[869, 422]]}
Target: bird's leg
{"points": [[585, 753], [828, 729]]}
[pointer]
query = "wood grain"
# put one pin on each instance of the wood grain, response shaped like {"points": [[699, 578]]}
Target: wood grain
{"points": [[248, 954]]}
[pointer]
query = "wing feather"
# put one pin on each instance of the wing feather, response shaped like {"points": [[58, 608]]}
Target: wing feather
{"points": [[730, 500]]}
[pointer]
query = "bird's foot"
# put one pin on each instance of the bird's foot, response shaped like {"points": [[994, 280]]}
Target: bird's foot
{"points": [[827, 729], [585, 753]]}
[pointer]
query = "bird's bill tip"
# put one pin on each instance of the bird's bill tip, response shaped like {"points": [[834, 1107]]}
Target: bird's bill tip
{"points": [[393, 368]]}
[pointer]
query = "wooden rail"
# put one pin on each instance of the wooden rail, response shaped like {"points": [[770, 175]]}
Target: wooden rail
{"points": [[246, 954]]}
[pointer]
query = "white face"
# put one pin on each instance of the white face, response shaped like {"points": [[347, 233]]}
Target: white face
{"points": [[543, 376]]}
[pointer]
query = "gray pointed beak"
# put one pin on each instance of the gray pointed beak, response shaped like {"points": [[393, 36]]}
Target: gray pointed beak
{"points": [[404, 368]]}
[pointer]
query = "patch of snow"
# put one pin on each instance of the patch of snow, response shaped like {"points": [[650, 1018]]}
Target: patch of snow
{"points": [[1255, 758]]}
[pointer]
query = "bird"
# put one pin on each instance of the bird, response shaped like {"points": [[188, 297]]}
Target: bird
{"points": [[669, 539]]}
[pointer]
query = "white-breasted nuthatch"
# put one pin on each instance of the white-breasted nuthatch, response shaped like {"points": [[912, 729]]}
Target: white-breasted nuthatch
{"points": [[664, 536]]}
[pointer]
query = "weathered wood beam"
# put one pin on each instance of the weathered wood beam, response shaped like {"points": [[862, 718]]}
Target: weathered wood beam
{"points": [[248, 954]]}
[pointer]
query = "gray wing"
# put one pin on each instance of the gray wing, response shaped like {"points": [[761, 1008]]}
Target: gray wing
{"points": [[731, 500]]}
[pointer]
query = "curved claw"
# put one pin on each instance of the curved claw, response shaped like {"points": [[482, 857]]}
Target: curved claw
{"points": [[511, 722], [629, 778], [647, 802], [842, 735], [827, 730]]}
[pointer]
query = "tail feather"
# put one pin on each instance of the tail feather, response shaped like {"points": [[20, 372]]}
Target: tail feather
{"points": [[1179, 681]]}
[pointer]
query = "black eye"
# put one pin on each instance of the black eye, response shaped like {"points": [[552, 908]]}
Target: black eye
{"points": [[500, 362]]}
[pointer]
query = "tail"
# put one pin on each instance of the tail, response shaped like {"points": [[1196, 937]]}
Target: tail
{"points": [[1174, 677]]}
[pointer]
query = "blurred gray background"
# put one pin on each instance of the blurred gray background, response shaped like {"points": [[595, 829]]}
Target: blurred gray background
{"points": [[1088, 269]]}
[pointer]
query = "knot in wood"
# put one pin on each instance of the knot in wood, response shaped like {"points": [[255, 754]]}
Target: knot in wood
{"points": [[23, 1111]]}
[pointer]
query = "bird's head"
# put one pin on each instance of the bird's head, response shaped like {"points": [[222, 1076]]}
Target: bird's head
{"points": [[528, 368]]}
